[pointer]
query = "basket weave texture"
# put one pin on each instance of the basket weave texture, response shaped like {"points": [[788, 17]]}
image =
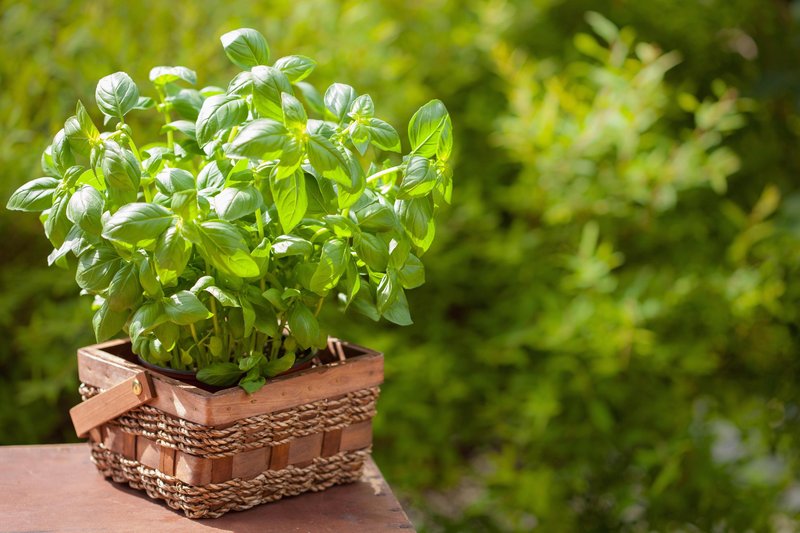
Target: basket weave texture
{"points": [[206, 471]]}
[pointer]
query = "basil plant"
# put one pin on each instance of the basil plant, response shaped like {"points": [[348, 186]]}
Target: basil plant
{"points": [[215, 248]]}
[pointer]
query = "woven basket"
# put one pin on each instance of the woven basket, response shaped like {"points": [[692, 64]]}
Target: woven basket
{"points": [[207, 453]]}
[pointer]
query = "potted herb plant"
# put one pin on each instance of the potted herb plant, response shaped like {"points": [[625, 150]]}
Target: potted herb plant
{"points": [[214, 249]]}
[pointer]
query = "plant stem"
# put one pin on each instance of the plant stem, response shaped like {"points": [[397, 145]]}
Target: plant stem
{"points": [[278, 340], [377, 175], [319, 306]]}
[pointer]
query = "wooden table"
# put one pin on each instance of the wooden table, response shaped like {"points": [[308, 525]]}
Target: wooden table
{"points": [[57, 488]]}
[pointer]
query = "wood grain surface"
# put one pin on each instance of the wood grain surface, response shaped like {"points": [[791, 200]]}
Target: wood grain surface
{"points": [[57, 488]]}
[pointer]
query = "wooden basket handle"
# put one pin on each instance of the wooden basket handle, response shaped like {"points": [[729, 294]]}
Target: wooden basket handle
{"points": [[110, 404]]}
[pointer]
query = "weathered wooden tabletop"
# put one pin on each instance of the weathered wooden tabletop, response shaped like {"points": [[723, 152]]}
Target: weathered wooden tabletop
{"points": [[57, 488]]}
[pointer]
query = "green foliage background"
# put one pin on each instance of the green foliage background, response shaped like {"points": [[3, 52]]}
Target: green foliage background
{"points": [[608, 337]]}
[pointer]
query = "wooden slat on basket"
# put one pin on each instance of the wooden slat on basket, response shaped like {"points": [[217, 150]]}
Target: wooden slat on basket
{"points": [[99, 367]]}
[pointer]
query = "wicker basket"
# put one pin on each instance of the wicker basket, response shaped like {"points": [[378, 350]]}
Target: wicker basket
{"points": [[207, 453]]}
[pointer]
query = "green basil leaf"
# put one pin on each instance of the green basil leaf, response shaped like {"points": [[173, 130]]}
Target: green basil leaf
{"points": [[219, 113], [237, 201], [268, 85], [124, 290], [202, 283], [397, 311], [62, 153], [425, 128], [220, 374], [259, 139], [360, 136], [388, 289], [351, 282], [96, 268], [169, 334], [137, 222], [145, 319], [85, 209], [185, 205], [165, 75], [260, 255], [294, 114], [338, 99], [288, 245], [362, 107], [303, 325], [57, 225], [328, 160], [290, 199], [445, 148], [122, 174], [412, 275], [376, 217], [147, 277], [419, 178], [296, 68], [223, 296], [211, 177], [241, 84], [185, 308], [251, 385], [310, 96], [280, 365], [364, 303], [171, 180], [187, 102], [332, 264], [383, 135], [116, 94], [172, 251], [221, 244], [36, 195], [107, 322], [373, 251], [246, 48], [416, 215], [187, 127]]}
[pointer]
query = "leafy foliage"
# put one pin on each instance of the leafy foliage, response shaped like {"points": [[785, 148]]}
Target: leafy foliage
{"points": [[646, 383], [164, 234]]}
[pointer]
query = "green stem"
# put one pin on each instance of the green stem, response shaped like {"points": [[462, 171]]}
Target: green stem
{"points": [[382, 173], [319, 306]]}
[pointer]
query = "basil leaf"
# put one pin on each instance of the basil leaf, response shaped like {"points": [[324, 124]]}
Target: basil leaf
{"points": [[412, 275], [219, 113], [288, 245], [416, 215], [171, 180], [36, 195], [373, 251], [211, 177], [338, 99], [327, 160], [225, 297], [268, 85], [362, 107], [294, 114], [85, 209], [303, 325], [116, 94], [397, 311], [425, 128], [290, 199], [122, 174], [164, 75], [259, 139], [332, 264], [296, 68], [383, 135], [246, 48], [107, 323], [238, 200], [185, 308], [124, 290], [137, 222], [145, 319], [96, 268], [172, 251], [376, 217], [419, 178], [221, 244]]}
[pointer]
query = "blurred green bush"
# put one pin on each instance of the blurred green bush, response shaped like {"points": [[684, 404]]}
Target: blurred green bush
{"points": [[608, 337]]}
